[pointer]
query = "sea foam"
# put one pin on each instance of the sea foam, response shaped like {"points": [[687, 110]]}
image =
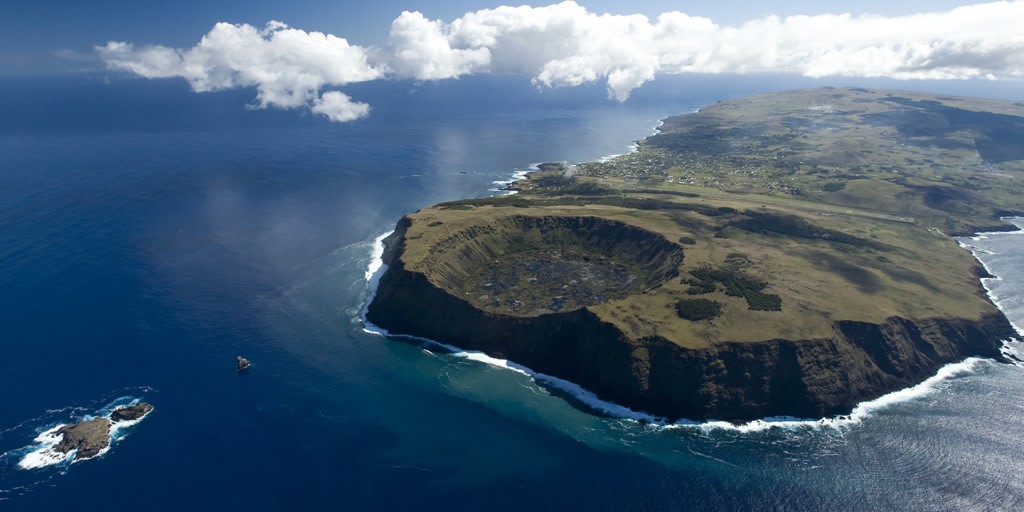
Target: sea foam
{"points": [[984, 256], [501, 186], [43, 454], [376, 256]]}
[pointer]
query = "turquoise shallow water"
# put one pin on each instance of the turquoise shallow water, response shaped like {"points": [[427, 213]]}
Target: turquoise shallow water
{"points": [[149, 235]]}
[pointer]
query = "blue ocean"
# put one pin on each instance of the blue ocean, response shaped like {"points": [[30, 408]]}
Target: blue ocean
{"points": [[149, 235]]}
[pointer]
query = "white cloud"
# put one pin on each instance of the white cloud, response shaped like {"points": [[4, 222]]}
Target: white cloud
{"points": [[422, 49], [338, 107], [566, 45], [560, 45], [288, 67]]}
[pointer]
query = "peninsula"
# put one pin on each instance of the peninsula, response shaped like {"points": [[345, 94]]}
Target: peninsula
{"points": [[787, 254]]}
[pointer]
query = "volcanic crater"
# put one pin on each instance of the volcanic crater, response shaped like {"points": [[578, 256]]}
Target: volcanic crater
{"points": [[525, 266]]}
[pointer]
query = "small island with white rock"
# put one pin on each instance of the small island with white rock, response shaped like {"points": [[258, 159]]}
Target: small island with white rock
{"points": [[91, 437]]}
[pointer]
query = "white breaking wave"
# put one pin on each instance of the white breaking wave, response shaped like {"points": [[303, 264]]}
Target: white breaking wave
{"points": [[860, 413], [376, 256], [374, 270], [579, 393], [1011, 304], [501, 186], [985, 256], [43, 453]]}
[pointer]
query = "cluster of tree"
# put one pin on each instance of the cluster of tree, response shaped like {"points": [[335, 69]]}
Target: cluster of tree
{"points": [[736, 284], [698, 309], [759, 301]]}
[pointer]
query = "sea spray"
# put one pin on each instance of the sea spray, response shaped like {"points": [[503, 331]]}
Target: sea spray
{"points": [[376, 257], [42, 453]]}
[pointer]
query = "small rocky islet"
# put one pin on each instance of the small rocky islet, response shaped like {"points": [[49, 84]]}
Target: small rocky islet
{"points": [[90, 437]]}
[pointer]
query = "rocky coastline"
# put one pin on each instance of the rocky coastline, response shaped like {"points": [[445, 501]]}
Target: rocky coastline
{"points": [[761, 257], [735, 382]]}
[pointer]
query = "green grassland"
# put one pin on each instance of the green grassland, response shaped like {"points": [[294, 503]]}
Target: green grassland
{"points": [[793, 210], [945, 162]]}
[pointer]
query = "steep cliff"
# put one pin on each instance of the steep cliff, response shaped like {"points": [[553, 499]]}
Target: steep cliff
{"points": [[811, 378], [733, 381]]}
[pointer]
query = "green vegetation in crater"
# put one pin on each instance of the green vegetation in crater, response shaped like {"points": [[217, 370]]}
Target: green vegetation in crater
{"points": [[550, 280]]}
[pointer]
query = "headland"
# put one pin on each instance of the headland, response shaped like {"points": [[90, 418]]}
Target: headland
{"points": [[787, 254]]}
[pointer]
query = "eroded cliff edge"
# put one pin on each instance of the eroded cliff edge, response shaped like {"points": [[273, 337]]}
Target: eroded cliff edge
{"points": [[734, 381]]}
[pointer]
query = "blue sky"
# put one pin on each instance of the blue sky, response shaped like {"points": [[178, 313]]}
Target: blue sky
{"points": [[32, 32]]}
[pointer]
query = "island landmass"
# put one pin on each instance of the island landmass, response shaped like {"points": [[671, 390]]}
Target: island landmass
{"points": [[787, 254], [90, 437]]}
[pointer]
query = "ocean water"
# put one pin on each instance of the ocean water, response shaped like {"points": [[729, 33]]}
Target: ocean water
{"points": [[149, 235]]}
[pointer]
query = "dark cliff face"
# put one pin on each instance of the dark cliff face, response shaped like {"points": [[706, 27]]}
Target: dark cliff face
{"points": [[729, 381], [575, 345], [813, 378]]}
